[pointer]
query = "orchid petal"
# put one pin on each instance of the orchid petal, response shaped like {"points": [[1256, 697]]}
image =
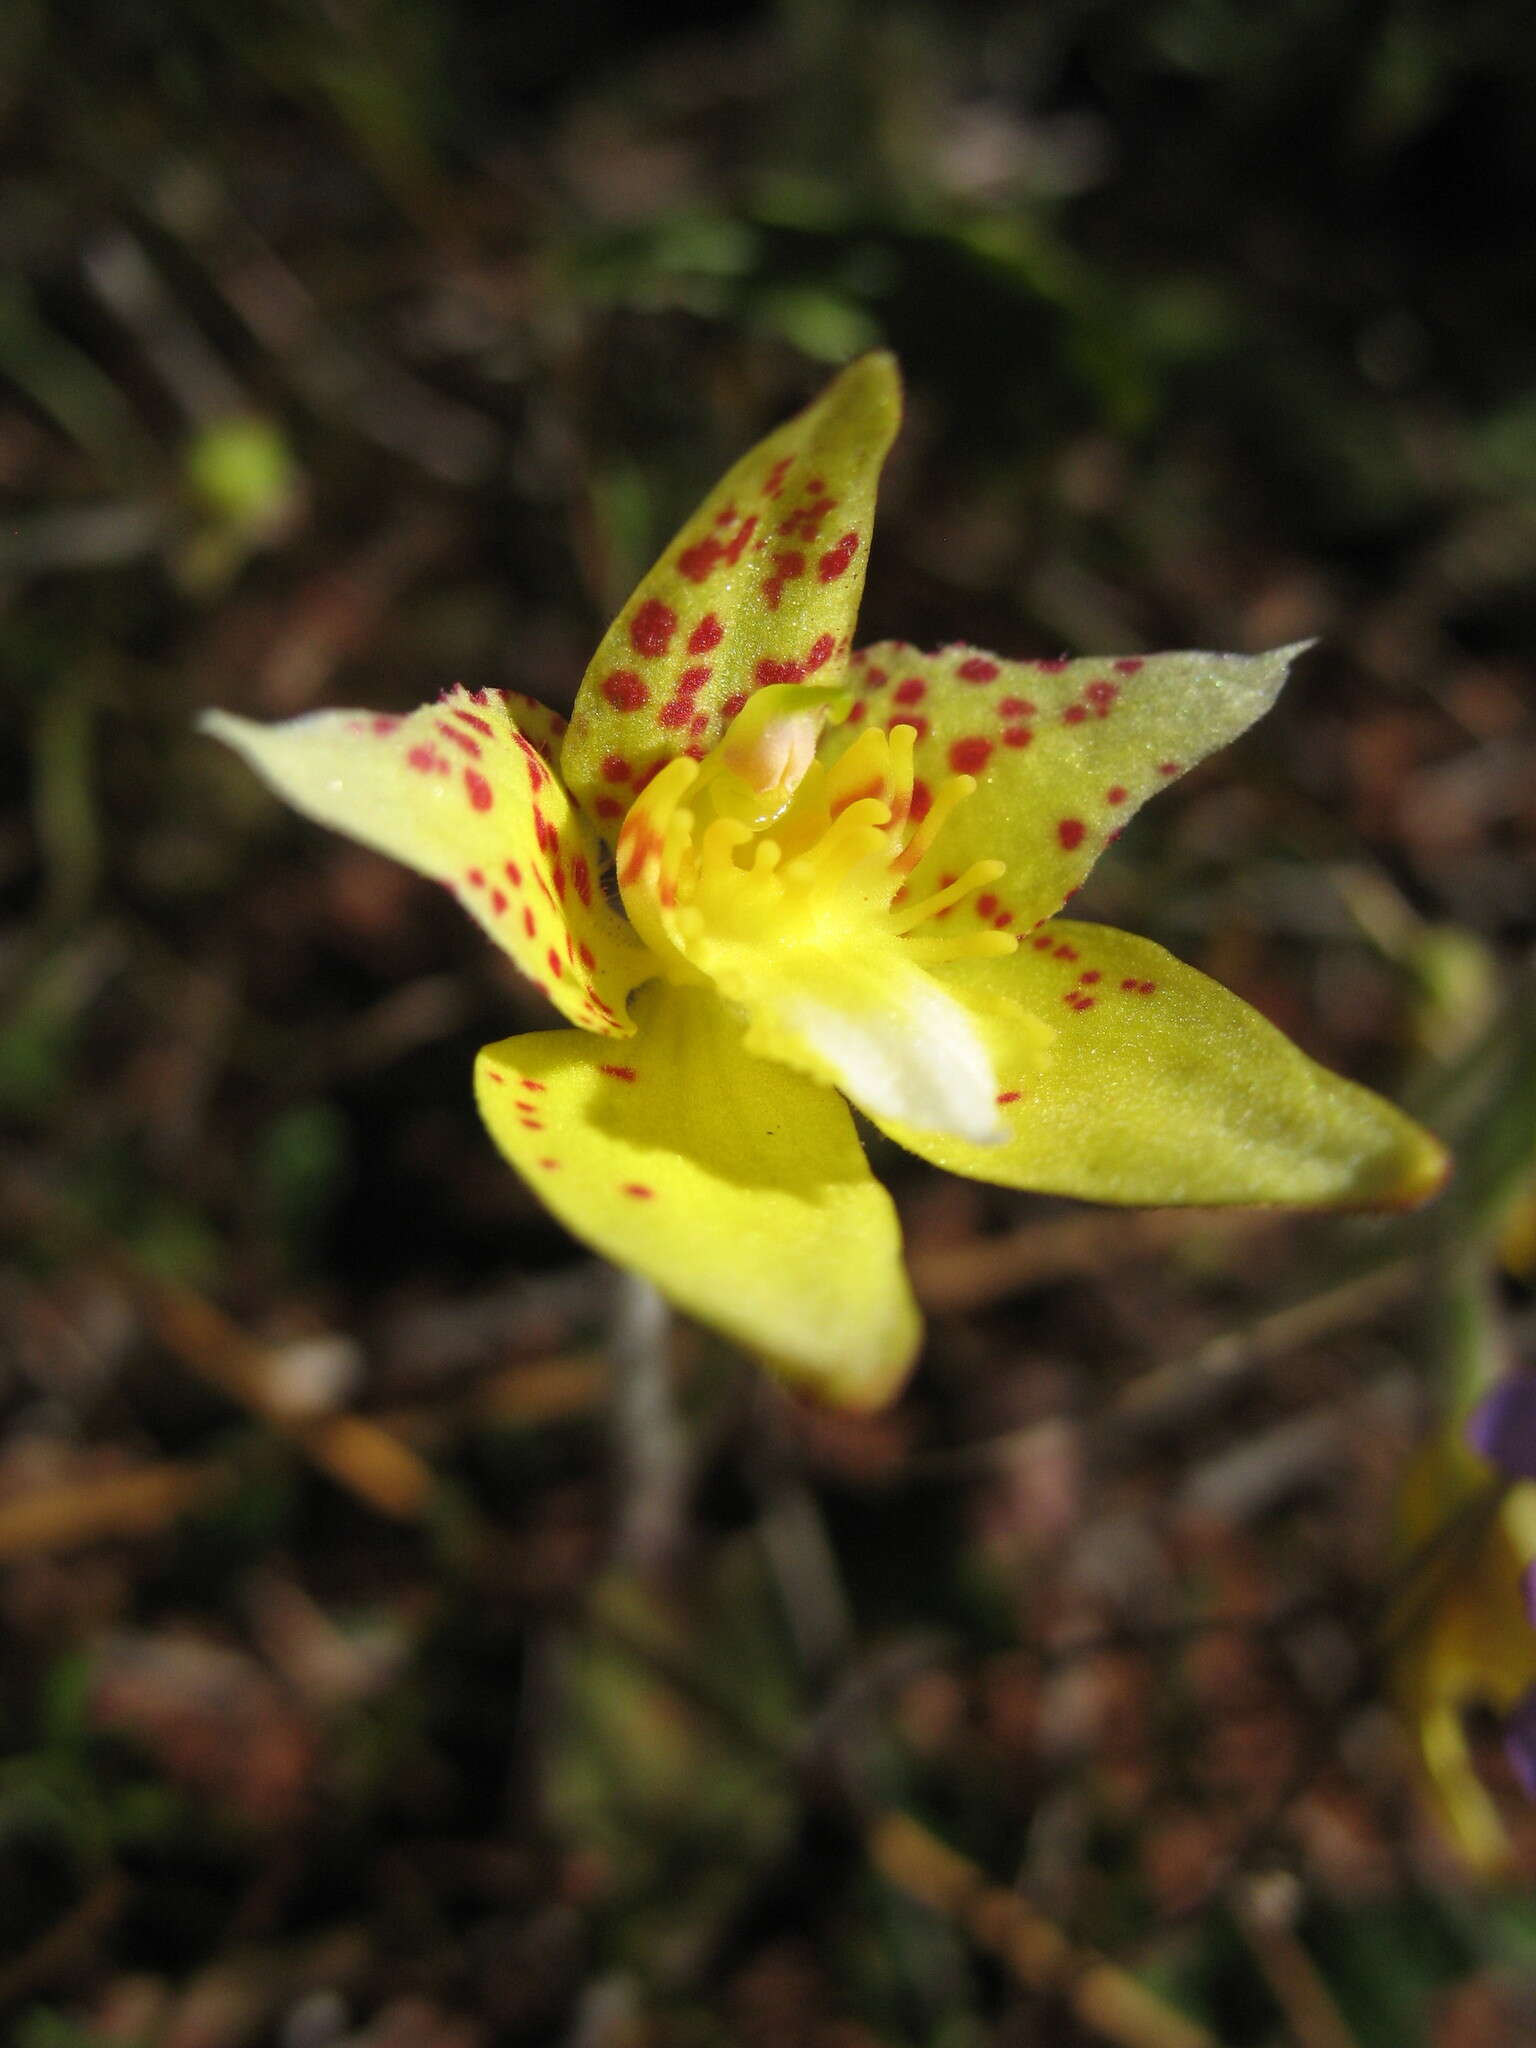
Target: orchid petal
{"points": [[1125, 1076], [737, 1186], [1063, 752], [458, 792], [761, 586]]}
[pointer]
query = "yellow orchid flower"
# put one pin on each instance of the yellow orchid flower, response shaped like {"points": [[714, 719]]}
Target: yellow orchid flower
{"points": [[1465, 1619], [761, 872]]}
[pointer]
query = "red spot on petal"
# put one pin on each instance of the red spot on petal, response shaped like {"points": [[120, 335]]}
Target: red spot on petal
{"points": [[1090, 975], [461, 740], [619, 1073], [549, 1165], [556, 964], [986, 905], [1017, 735], [1043, 943], [475, 878], [700, 561], [676, 713], [922, 802], [1129, 665], [1115, 794], [733, 704], [479, 789], [693, 679], [581, 875], [615, 768], [638, 1190], [652, 627], [768, 672], [498, 901], [1009, 1095], [608, 807], [835, 561], [530, 922], [977, 670], [1071, 832], [625, 691], [1074, 714], [499, 1079], [918, 723], [970, 756], [788, 564], [708, 633], [1101, 695], [1015, 707], [912, 691], [822, 651], [480, 725], [1167, 767]]}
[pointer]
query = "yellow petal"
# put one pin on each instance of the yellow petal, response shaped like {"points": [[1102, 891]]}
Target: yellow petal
{"points": [[456, 791], [1063, 752], [738, 1187], [1125, 1076], [761, 586]]}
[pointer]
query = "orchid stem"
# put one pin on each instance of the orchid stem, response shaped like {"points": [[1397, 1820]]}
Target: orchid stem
{"points": [[650, 1458]]}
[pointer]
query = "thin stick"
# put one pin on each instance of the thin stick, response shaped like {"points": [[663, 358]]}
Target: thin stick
{"points": [[650, 1453], [1101, 1994]]}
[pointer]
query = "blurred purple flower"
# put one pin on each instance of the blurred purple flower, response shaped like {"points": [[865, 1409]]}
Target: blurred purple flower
{"points": [[1502, 1428], [1520, 1741]]}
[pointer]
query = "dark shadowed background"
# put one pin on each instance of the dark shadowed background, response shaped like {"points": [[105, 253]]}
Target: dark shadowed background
{"points": [[350, 350]]}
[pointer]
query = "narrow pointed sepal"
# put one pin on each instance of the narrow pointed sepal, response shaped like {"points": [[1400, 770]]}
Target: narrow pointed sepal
{"points": [[1125, 1076], [460, 793], [761, 587], [1063, 752]]}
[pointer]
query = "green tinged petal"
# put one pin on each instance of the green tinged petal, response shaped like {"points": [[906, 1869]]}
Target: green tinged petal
{"points": [[1063, 752], [762, 586], [1159, 1086]]}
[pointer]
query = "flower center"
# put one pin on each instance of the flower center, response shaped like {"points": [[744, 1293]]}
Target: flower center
{"points": [[759, 844]]}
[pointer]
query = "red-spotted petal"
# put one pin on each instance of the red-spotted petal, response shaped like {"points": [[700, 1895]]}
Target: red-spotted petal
{"points": [[761, 587], [1125, 1076], [457, 791], [1063, 752], [737, 1186]]}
